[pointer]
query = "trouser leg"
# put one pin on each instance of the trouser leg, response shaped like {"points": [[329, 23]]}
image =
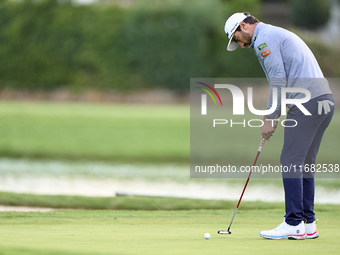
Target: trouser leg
{"points": [[301, 144], [308, 175]]}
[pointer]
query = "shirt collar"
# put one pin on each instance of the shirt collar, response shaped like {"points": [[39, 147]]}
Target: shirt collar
{"points": [[256, 32]]}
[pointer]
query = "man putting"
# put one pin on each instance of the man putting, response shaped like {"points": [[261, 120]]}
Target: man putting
{"points": [[288, 62]]}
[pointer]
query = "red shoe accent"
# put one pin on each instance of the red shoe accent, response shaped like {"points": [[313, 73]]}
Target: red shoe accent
{"points": [[312, 234]]}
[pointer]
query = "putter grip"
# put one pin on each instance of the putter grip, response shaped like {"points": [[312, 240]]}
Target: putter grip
{"points": [[261, 145]]}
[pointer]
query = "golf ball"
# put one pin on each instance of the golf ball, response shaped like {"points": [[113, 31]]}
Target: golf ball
{"points": [[206, 235]]}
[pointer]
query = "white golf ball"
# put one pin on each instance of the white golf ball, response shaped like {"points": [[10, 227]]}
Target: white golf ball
{"points": [[206, 235]]}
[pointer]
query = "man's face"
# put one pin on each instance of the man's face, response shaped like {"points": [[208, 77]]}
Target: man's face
{"points": [[243, 38]]}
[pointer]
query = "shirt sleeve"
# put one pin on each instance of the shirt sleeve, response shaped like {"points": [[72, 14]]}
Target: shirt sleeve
{"points": [[269, 54]]}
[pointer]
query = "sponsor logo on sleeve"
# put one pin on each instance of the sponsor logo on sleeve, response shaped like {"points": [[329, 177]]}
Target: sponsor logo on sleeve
{"points": [[265, 53], [262, 46]]}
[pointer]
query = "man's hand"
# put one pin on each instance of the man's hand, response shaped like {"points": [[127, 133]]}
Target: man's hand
{"points": [[268, 127], [324, 105]]}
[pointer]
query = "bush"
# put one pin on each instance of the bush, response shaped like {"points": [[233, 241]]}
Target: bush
{"points": [[101, 60], [168, 44], [38, 43], [310, 14], [48, 44]]}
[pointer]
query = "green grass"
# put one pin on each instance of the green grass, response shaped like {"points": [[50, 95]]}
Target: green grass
{"points": [[128, 133], [150, 203], [94, 131], [157, 232], [123, 202]]}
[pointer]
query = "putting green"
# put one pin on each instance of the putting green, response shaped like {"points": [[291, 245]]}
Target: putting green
{"points": [[157, 232]]}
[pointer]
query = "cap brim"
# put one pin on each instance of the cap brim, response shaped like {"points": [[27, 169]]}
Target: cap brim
{"points": [[232, 45]]}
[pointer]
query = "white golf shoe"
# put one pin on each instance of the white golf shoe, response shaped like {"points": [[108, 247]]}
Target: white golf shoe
{"points": [[311, 230], [285, 231]]}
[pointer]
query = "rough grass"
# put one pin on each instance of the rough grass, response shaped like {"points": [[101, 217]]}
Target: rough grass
{"points": [[124, 202]]}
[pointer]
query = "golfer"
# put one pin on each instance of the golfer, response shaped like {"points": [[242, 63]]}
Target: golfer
{"points": [[288, 62]]}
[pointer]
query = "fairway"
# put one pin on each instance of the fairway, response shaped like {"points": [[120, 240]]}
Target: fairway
{"points": [[121, 133], [95, 131], [157, 232]]}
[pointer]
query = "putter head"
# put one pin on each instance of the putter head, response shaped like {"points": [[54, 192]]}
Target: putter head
{"points": [[224, 232]]}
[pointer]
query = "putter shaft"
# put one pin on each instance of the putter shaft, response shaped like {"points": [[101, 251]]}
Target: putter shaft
{"points": [[245, 186]]}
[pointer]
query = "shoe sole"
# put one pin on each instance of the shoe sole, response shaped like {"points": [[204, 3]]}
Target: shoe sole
{"points": [[297, 237], [312, 236], [274, 237], [291, 237]]}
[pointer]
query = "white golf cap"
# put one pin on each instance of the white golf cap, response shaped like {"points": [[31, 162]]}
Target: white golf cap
{"points": [[230, 27]]}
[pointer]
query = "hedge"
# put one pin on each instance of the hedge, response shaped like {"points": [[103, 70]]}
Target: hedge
{"points": [[51, 44]]}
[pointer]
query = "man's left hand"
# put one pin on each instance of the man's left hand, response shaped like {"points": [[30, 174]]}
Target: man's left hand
{"points": [[269, 127]]}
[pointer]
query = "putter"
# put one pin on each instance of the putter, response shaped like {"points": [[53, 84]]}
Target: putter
{"points": [[226, 232]]}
